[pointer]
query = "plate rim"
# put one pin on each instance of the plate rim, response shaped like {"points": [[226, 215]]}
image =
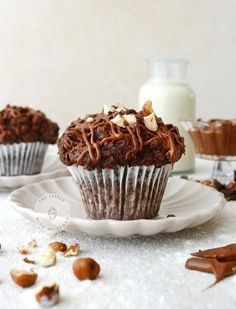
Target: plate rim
{"points": [[209, 213]]}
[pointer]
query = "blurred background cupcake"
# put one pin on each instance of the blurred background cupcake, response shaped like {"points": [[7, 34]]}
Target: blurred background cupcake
{"points": [[121, 161], [24, 136]]}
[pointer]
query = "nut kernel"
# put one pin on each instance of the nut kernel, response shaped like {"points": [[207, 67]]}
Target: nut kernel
{"points": [[108, 109], [119, 121], [150, 122], [58, 246], [86, 268], [48, 296], [89, 119], [23, 278], [48, 257], [147, 108], [73, 250], [130, 119]]}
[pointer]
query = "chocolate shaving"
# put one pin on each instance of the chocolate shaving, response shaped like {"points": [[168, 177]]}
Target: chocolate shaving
{"points": [[220, 261], [212, 265], [226, 253]]}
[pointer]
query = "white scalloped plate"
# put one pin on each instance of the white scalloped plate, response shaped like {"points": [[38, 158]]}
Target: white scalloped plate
{"points": [[191, 203], [52, 168]]}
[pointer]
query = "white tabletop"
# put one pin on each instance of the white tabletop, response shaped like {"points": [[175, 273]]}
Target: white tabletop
{"points": [[136, 272]]}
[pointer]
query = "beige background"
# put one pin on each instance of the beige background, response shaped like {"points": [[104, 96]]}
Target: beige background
{"points": [[69, 57]]}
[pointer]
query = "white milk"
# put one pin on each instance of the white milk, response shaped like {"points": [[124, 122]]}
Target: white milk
{"points": [[172, 99]]}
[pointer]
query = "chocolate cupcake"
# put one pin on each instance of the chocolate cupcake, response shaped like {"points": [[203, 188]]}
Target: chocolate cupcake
{"points": [[121, 161], [24, 136]]}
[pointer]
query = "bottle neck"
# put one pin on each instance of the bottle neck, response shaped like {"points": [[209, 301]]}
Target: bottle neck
{"points": [[171, 70]]}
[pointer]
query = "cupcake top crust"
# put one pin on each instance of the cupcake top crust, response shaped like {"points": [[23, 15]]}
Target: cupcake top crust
{"points": [[24, 124], [119, 137]]}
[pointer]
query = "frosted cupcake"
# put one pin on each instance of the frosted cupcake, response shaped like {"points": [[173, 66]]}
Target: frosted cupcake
{"points": [[121, 161], [24, 137]]}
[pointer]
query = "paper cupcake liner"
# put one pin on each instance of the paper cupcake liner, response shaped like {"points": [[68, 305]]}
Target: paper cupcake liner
{"points": [[21, 159], [126, 193]]}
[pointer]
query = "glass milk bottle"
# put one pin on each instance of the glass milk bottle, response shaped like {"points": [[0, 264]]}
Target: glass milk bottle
{"points": [[173, 100]]}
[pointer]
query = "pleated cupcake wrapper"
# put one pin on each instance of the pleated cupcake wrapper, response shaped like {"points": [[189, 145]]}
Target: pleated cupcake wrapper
{"points": [[22, 159], [126, 193]]}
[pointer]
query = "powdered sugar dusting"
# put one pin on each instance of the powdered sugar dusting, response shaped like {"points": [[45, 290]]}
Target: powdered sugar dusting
{"points": [[136, 272]]}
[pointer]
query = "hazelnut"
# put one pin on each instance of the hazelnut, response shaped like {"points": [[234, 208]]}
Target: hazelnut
{"points": [[48, 296], [86, 268], [108, 109], [26, 260], [48, 257], [147, 108], [231, 185], [208, 182], [25, 249], [23, 278], [150, 122], [130, 119], [120, 108], [119, 121], [73, 250], [89, 119], [58, 246], [32, 244]]}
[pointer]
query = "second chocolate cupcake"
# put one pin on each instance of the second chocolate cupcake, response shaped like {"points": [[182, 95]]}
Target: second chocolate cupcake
{"points": [[24, 136], [121, 161]]}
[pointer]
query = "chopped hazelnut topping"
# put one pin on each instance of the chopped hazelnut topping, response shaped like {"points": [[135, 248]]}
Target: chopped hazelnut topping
{"points": [[147, 108], [89, 119], [119, 121], [150, 122], [130, 119], [108, 109]]}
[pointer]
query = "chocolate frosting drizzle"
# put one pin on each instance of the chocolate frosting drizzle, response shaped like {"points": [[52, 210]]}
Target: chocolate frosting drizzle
{"points": [[104, 144], [24, 124]]}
